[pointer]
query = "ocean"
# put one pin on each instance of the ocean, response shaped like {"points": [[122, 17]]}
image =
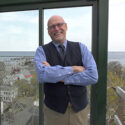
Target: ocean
{"points": [[117, 56], [112, 56], [16, 53]]}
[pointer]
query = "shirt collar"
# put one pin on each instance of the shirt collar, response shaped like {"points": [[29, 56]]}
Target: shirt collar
{"points": [[56, 45]]}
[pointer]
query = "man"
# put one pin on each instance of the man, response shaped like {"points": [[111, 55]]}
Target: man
{"points": [[65, 68]]}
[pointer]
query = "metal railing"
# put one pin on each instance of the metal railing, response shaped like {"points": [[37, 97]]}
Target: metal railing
{"points": [[117, 120], [121, 94]]}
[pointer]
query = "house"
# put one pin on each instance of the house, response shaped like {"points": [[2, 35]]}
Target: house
{"points": [[8, 93]]}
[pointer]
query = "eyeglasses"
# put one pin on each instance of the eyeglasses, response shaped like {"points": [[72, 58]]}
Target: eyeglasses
{"points": [[59, 25]]}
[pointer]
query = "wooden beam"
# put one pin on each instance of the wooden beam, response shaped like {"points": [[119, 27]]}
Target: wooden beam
{"points": [[19, 2], [12, 2]]}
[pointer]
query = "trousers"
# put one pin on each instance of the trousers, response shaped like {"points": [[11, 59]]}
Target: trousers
{"points": [[70, 117]]}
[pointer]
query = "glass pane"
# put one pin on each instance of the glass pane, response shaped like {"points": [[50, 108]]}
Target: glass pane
{"points": [[116, 61], [18, 83], [19, 31], [79, 22]]}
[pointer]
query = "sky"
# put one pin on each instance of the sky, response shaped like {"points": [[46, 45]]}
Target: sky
{"points": [[116, 24], [19, 30]]}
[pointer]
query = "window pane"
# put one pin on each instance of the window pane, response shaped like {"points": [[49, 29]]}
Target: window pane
{"points": [[116, 61], [19, 31], [79, 22], [18, 83]]}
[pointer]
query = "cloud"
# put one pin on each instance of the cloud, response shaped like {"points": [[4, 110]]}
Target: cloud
{"points": [[116, 25], [19, 17], [19, 31]]}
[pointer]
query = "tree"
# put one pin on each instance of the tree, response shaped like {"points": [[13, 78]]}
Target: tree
{"points": [[2, 72], [115, 78], [35, 86], [115, 67], [23, 87]]}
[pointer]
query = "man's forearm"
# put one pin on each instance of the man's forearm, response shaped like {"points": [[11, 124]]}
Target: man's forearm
{"points": [[75, 69], [87, 77], [51, 74]]}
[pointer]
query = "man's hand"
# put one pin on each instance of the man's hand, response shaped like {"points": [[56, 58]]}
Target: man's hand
{"points": [[45, 63], [77, 69]]}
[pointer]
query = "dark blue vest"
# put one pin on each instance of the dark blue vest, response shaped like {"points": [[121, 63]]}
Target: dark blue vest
{"points": [[58, 95]]}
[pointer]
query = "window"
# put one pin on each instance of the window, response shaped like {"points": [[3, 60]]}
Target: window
{"points": [[19, 40], [79, 21]]}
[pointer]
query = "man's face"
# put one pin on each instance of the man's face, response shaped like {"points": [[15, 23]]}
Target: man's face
{"points": [[57, 29]]}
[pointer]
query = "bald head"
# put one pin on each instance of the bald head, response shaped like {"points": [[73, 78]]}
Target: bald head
{"points": [[55, 18]]}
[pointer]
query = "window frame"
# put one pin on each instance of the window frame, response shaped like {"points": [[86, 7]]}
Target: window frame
{"points": [[46, 5]]}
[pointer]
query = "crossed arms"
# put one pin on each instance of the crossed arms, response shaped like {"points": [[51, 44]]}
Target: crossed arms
{"points": [[76, 69], [74, 75]]}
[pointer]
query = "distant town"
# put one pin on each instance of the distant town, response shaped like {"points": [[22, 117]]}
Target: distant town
{"points": [[18, 91], [19, 88]]}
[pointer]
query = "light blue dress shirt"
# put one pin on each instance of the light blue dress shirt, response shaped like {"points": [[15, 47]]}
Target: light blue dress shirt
{"points": [[54, 74]]}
